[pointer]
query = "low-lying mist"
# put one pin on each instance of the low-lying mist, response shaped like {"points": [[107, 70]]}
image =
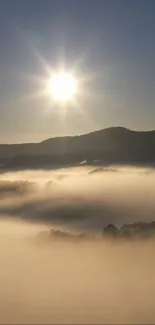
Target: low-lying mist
{"points": [[95, 281], [78, 199]]}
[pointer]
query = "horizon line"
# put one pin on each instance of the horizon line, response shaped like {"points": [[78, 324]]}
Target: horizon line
{"points": [[76, 135]]}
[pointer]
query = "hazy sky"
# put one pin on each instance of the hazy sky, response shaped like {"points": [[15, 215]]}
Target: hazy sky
{"points": [[110, 41]]}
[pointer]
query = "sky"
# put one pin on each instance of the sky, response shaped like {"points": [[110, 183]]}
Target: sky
{"points": [[109, 44]]}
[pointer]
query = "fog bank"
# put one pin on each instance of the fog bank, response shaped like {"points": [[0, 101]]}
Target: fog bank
{"points": [[78, 199], [95, 281]]}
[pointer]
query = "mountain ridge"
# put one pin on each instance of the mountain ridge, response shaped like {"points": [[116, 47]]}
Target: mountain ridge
{"points": [[99, 131], [110, 145], [79, 135]]}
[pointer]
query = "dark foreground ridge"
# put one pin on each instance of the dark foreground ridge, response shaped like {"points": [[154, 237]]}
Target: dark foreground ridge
{"points": [[116, 145], [139, 230]]}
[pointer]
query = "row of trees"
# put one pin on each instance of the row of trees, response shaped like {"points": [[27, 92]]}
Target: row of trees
{"points": [[110, 231], [139, 229]]}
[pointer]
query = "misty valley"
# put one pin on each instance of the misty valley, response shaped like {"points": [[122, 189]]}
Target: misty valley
{"points": [[77, 162], [77, 245]]}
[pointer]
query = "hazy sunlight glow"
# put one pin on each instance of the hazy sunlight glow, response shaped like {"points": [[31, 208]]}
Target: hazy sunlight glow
{"points": [[63, 86]]}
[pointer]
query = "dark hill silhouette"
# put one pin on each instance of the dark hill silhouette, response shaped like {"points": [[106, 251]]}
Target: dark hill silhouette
{"points": [[115, 145]]}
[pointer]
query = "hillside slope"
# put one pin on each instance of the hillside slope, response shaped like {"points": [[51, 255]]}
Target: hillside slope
{"points": [[111, 145]]}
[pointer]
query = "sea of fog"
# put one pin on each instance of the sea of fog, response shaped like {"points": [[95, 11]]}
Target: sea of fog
{"points": [[90, 282]]}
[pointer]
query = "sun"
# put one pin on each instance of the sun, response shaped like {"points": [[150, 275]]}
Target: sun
{"points": [[63, 86]]}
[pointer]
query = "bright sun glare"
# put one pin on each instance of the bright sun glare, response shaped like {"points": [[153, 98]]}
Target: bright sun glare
{"points": [[63, 86]]}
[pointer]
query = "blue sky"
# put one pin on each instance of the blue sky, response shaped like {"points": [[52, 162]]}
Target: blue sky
{"points": [[111, 41]]}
